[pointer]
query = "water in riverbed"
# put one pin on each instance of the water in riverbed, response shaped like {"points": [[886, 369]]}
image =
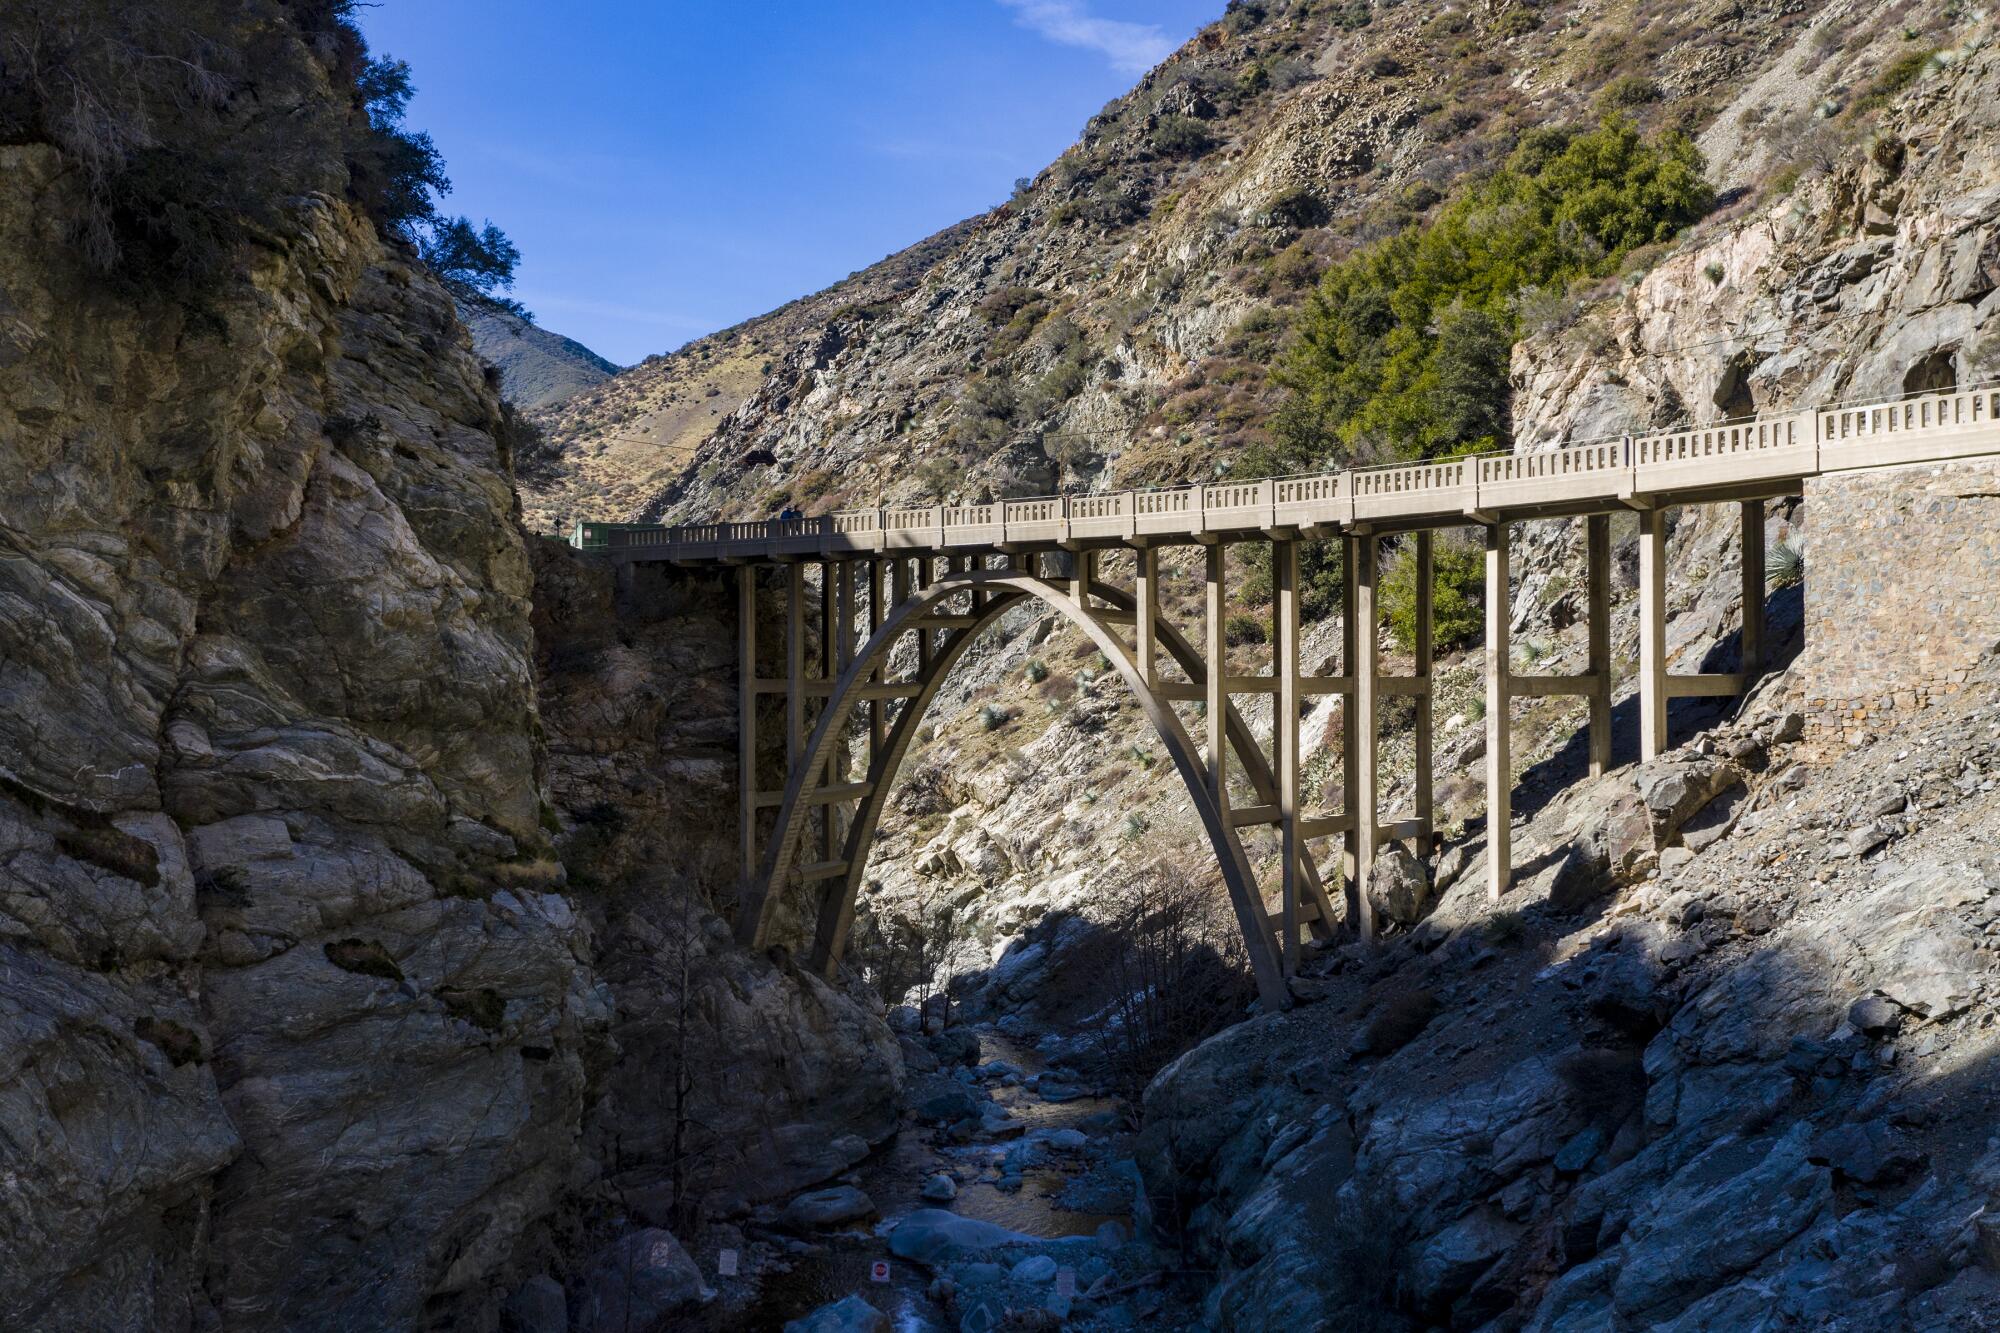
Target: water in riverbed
{"points": [[894, 1176]]}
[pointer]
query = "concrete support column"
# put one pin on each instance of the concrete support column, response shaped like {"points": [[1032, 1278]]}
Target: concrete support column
{"points": [[1499, 728], [1218, 670], [1361, 721], [1652, 633], [795, 663], [834, 596], [746, 718], [878, 611], [1597, 540], [1083, 573], [1753, 592], [1426, 579], [1285, 736], [1147, 603]]}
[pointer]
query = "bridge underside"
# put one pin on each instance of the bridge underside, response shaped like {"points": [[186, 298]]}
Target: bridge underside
{"points": [[887, 628], [902, 592]]}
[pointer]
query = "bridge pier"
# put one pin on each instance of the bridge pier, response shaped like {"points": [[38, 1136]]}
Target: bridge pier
{"points": [[1361, 760], [1499, 728]]}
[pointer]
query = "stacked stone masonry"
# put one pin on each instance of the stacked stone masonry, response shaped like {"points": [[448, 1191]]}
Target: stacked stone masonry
{"points": [[1900, 590]]}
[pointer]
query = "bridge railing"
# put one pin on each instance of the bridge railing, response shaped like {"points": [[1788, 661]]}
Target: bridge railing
{"points": [[1925, 426], [1918, 427], [1548, 476], [1406, 490]]}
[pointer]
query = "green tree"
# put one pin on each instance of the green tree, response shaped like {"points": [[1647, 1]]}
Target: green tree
{"points": [[1402, 351], [472, 261]]}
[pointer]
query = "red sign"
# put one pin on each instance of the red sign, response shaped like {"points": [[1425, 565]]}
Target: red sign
{"points": [[879, 1271]]}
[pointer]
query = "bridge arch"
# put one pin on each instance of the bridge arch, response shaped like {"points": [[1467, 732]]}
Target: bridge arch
{"points": [[1002, 590]]}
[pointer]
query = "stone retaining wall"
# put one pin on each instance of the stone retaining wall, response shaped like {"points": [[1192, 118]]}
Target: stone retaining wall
{"points": [[1902, 590]]}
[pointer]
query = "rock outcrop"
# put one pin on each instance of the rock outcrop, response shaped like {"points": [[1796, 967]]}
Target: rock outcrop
{"points": [[297, 1026], [1741, 1087]]}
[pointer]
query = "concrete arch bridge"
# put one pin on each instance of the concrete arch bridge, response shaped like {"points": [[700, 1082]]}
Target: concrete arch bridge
{"points": [[903, 592]]}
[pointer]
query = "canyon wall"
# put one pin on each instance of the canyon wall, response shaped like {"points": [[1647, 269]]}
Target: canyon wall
{"points": [[304, 1022]]}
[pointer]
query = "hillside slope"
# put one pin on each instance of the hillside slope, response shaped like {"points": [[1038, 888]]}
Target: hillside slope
{"points": [[538, 368], [1115, 322]]}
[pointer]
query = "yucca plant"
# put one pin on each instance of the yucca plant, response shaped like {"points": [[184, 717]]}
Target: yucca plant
{"points": [[1785, 562]]}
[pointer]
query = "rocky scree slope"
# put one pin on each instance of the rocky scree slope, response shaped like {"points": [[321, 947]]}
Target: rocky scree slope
{"points": [[1725, 1054]]}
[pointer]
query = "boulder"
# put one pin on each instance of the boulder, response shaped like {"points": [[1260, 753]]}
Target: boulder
{"points": [[940, 1188], [1581, 877], [1873, 1153], [638, 1281], [826, 1208], [955, 1046], [1399, 886], [1713, 820], [1447, 1265], [1673, 791], [1035, 1268], [931, 1236], [849, 1314], [536, 1306]]}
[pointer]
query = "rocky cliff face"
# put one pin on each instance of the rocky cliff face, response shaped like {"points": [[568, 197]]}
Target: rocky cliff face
{"points": [[787, 1080], [299, 1027]]}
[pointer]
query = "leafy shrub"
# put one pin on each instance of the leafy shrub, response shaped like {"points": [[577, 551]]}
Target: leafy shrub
{"points": [[1036, 671], [1298, 208], [1240, 627], [1895, 78], [1176, 135], [1458, 610], [1628, 91], [1396, 1022], [1352, 15], [992, 717], [1405, 344]]}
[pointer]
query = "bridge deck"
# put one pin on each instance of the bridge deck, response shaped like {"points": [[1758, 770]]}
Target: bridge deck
{"points": [[1737, 460]]}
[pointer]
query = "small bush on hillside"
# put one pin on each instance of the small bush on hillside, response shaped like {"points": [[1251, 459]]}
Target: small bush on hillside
{"points": [[1296, 207], [1172, 969], [1240, 627], [1396, 1022], [1628, 91], [1180, 136]]}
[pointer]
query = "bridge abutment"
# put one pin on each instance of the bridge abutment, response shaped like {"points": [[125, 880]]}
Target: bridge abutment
{"points": [[1902, 590]]}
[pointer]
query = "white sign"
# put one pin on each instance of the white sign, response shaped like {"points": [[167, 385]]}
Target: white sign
{"points": [[879, 1271], [725, 1263]]}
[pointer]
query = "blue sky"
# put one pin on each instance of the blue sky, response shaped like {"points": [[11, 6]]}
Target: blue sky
{"points": [[670, 168]]}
